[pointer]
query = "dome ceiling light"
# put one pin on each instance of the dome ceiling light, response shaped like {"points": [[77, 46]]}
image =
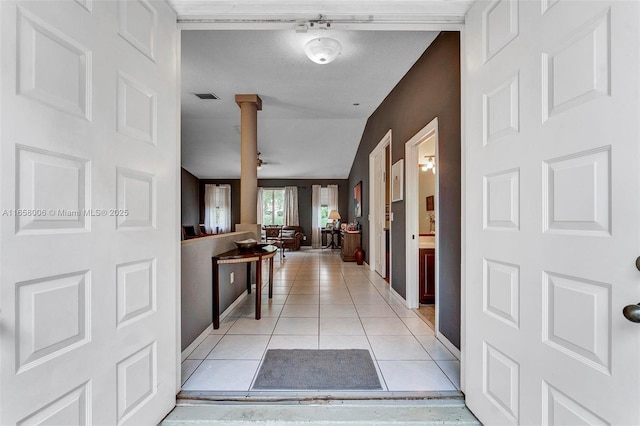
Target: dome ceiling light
{"points": [[322, 50]]}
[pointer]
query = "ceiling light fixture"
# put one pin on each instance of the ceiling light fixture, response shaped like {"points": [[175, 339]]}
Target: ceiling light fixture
{"points": [[322, 50], [429, 164]]}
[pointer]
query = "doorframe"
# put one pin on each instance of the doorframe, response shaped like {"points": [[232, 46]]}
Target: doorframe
{"points": [[411, 216], [379, 149]]}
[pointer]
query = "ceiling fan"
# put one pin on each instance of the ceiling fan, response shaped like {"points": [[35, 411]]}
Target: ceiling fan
{"points": [[261, 163]]}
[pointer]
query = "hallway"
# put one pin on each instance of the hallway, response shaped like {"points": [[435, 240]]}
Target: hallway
{"points": [[320, 302]]}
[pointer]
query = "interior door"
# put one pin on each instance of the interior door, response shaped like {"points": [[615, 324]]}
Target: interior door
{"points": [[552, 203], [89, 230], [380, 179]]}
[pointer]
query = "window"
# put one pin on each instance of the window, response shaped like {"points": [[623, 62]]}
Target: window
{"points": [[217, 204], [273, 206], [324, 207]]}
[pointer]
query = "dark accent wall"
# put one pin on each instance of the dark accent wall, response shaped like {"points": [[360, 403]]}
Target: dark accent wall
{"points": [[304, 198], [190, 199], [430, 89]]}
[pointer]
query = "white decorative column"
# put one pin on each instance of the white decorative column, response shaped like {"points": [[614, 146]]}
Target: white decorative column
{"points": [[249, 105]]}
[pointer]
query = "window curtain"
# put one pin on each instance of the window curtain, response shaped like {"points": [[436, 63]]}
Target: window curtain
{"points": [[332, 192], [316, 236], [217, 208], [291, 206], [260, 204]]}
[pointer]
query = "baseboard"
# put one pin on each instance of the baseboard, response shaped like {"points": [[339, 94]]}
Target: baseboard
{"points": [[209, 329], [397, 296], [455, 351]]}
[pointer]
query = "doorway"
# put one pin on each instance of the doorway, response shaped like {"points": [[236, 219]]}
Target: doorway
{"points": [[380, 235], [438, 252]]}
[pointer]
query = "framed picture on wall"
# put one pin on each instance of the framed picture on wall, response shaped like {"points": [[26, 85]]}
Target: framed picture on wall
{"points": [[397, 176], [357, 199], [430, 203]]}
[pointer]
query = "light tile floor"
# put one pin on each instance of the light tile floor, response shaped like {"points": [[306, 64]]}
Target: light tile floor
{"points": [[321, 302]]}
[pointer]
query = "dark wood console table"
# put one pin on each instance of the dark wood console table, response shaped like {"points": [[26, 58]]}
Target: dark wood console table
{"points": [[258, 254]]}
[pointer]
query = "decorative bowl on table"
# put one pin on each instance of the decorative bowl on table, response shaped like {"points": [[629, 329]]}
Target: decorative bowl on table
{"points": [[246, 245]]}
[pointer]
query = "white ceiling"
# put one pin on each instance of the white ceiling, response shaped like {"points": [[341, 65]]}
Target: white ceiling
{"points": [[308, 127]]}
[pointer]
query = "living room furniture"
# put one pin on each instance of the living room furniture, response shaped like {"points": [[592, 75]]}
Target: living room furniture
{"points": [[332, 234], [290, 236], [258, 254], [273, 235], [350, 241], [188, 232], [427, 278]]}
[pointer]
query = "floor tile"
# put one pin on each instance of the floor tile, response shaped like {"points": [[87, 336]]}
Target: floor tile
{"points": [[240, 346], [414, 376], [225, 324], [292, 341], [452, 370], [205, 347], [307, 326], [341, 327], [303, 299], [436, 350], [338, 311], [418, 327], [384, 326], [344, 342], [378, 311], [188, 367], [253, 326], [266, 310], [397, 348], [305, 289], [332, 299], [223, 375], [299, 311]]}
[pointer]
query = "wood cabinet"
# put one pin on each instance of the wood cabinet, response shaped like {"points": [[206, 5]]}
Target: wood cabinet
{"points": [[350, 241], [427, 275]]}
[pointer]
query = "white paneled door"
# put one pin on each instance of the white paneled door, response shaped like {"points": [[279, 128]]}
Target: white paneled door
{"points": [[553, 211], [88, 232]]}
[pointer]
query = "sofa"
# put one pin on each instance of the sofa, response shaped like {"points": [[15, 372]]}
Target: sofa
{"points": [[291, 236]]}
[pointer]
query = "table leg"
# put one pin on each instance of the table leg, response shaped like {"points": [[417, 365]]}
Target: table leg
{"points": [[216, 295], [249, 277], [271, 277], [258, 287]]}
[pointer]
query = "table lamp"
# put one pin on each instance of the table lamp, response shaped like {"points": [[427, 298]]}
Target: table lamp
{"points": [[335, 216]]}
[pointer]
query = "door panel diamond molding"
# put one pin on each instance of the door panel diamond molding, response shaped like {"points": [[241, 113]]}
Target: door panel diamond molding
{"points": [[501, 111], [501, 381], [579, 69], [135, 196], [502, 200], [559, 409], [499, 26], [138, 22], [136, 291], [577, 193], [502, 292], [137, 110], [52, 68], [53, 317], [53, 191], [137, 381], [586, 337], [70, 409]]}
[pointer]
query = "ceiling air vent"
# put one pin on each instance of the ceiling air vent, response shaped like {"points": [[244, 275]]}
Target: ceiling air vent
{"points": [[211, 96]]}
